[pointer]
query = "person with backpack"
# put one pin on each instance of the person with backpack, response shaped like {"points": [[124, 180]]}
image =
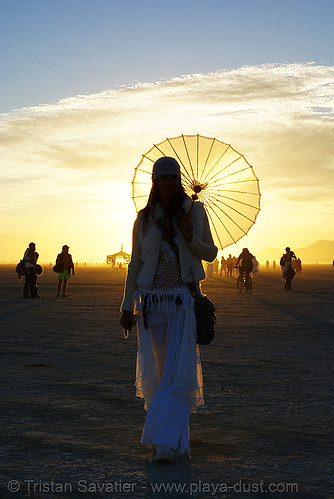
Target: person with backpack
{"points": [[288, 272], [30, 276], [64, 266]]}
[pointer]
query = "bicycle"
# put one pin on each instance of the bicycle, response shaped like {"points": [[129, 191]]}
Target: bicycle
{"points": [[244, 281]]}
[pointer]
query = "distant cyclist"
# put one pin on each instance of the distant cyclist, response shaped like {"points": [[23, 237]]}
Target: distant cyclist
{"points": [[246, 259]]}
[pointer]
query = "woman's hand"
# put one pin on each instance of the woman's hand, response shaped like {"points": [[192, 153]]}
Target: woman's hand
{"points": [[127, 320], [186, 227]]}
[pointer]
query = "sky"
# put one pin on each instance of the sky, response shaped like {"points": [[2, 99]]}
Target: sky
{"points": [[89, 86]]}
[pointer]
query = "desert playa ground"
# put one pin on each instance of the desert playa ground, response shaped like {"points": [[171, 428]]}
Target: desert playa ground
{"points": [[71, 424]]}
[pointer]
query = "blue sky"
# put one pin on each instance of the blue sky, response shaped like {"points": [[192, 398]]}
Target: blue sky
{"points": [[52, 49], [88, 86]]}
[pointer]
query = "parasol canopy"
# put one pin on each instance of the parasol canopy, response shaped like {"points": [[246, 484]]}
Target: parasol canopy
{"points": [[212, 172]]}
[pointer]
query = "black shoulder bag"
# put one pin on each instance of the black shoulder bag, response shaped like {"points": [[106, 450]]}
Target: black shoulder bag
{"points": [[204, 308]]}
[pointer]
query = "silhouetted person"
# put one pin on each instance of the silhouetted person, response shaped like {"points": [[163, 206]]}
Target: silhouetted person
{"points": [[229, 265], [288, 272], [64, 264], [209, 269], [274, 264], [171, 238], [255, 266], [30, 282], [222, 266], [267, 264], [246, 262], [234, 262]]}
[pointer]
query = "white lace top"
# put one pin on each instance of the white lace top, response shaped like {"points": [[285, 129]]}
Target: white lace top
{"points": [[168, 274]]}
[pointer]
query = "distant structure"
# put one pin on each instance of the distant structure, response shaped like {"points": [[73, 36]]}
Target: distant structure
{"points": [[118, 260]]}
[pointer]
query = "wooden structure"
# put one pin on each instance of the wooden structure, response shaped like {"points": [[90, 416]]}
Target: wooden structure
{"points": [[118, 260]]}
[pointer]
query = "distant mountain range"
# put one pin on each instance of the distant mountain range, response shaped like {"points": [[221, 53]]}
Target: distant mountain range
{"points": [[318, 252]]}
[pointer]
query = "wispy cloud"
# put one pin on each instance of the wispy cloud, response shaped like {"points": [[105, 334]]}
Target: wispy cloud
{"points": [[280, 116]]}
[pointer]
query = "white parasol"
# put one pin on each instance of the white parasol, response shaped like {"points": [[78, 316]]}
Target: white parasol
{"points": [[212, 172]]}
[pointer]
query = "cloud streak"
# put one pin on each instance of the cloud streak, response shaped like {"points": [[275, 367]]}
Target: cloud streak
{"points": [[280, 116]]}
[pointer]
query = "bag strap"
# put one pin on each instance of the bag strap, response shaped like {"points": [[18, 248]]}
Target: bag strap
{"points": [[191, 285]]}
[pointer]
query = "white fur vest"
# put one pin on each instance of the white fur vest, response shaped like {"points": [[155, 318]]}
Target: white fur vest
{"points": [[146, 248]]}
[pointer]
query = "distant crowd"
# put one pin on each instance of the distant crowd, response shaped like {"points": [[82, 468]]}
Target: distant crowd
{"points": [[227, 266], [248, 264]]}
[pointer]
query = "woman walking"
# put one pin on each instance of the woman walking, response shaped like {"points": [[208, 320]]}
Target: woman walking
{"points": [[169, 374]]}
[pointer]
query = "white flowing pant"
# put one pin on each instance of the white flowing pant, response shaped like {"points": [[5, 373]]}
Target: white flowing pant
{"points": [[167, 419], [169, 374]]}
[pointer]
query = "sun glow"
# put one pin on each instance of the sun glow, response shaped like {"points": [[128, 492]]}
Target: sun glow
{"points": [[66, 168]]}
